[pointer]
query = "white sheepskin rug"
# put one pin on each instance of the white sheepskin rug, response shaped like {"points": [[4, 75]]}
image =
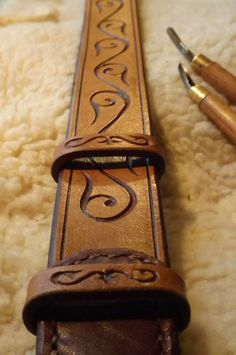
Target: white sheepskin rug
{"points": [[38, 47]]}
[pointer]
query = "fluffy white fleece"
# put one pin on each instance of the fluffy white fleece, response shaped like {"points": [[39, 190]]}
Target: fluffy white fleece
{"points": [[38, 47]]}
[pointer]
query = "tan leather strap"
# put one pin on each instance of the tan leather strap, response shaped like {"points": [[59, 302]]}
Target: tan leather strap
{"points": [[109, 284]]}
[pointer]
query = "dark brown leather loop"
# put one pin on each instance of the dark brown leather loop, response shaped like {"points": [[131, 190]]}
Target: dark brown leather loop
{"points": [[91, 290], [103, 145]]}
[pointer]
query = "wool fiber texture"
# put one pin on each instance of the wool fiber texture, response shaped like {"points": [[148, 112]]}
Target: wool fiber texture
{"points": [[38, 48]]}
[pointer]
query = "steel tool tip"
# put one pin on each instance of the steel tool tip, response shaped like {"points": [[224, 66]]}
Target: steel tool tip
{"points": [[179, 44], [187, 80]]}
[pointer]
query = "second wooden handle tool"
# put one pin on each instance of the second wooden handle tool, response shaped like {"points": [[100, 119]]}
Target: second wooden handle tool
{"points": [[213, 73], [212, 106]]}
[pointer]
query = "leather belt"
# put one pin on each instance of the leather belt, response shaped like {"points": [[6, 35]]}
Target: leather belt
{"points": [[108, 288]]}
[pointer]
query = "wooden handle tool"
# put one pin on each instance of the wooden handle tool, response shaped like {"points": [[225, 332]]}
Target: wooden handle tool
{"points": [[213, 73], [212, 106]]}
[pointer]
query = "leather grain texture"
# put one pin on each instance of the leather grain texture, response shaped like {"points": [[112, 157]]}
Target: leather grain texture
{"points": [[108, 208]]}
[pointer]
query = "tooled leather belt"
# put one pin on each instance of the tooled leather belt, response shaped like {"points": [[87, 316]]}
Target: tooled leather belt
{"points": [[108, 288]]}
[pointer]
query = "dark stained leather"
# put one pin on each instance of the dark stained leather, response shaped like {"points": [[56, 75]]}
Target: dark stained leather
{"points": [[139, 337]]}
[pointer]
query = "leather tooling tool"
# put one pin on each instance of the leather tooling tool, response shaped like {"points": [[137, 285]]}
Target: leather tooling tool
{"points": [[211, 105], [109, 288], [213, 73]]}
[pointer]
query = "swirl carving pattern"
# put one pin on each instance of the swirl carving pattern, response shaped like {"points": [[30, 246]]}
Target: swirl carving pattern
{"points": [[108, 200], [108, 70], [109, 104], [109, 140], [106, 26], [68, 278], [113, 5], [103, 100]]}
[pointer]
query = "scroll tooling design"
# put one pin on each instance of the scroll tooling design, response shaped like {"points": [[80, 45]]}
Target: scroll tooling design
{"points": [[108, 71], [68, 278], [109, 140], [109, 103], [104, 100], [108, 200]]}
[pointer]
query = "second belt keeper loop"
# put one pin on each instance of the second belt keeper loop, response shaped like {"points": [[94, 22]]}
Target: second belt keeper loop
{"points": [[85, 291]]}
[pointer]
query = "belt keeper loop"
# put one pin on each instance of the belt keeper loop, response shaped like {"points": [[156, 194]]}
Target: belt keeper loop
{"points": [[102, 145], [81, 289]]}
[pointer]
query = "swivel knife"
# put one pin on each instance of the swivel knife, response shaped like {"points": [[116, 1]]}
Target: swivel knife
{"points": [[211, 105], [213, 73]]}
